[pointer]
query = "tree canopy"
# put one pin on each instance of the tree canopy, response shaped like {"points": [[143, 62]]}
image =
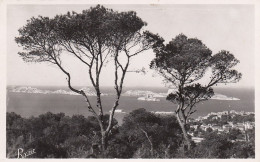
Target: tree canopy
{"points": [[94, 37], [183, 63]]}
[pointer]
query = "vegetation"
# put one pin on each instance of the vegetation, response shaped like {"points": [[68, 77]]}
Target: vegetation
{"points": [[183, 63], [141, 135], [94, 37], [99, 36]]}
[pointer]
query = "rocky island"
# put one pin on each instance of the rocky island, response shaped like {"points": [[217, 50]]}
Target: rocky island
{"points": [[28, 89]]}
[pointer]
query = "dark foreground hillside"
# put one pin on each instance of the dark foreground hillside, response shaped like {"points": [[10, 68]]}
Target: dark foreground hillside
{"points": [[141, 135]]}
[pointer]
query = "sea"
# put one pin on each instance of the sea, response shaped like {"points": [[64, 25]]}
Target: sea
{"points": [[34, 104]]}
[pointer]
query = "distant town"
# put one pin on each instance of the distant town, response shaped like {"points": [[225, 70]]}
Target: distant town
{"points": [[222, 122]]}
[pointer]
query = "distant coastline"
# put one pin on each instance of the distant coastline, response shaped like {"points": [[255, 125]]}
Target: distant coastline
{"points": [[29, 89], [89, 92]]}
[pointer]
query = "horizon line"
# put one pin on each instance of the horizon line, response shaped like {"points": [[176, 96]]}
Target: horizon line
{"points": [[140, 86]]}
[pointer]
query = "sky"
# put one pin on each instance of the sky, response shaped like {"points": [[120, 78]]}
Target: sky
{"points": [[220, 27]]}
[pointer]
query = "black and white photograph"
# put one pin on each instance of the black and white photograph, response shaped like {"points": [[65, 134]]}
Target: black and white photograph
{"points": [[130, 81]]}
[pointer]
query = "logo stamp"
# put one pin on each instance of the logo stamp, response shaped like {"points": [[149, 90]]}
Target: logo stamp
{"points": [[23, 154]]}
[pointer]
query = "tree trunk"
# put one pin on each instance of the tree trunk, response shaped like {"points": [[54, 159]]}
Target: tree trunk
{"points": [[166, 152], [99, 104], [103, 143], [185, 135], [150, 142]]}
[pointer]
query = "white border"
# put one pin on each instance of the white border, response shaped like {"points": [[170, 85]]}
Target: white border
{"points": [[3, 53]]}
